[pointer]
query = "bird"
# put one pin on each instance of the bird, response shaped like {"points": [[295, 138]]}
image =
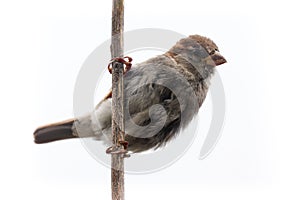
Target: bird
{"points": [[162, 96]]}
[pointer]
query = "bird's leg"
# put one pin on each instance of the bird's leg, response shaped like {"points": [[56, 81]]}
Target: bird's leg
{"points": [[124, 60], [116, 150], [119, 149], [124, 144]]}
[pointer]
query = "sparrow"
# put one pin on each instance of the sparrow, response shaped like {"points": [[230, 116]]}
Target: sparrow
{"points": [[162, 95]]}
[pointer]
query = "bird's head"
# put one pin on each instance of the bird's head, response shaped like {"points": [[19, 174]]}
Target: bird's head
{"points": [[199, 51]]}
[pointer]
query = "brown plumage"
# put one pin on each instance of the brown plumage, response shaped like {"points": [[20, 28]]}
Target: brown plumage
{"points": [[178, 81]]}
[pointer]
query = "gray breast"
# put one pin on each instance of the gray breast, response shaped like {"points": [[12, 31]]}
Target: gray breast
{"points": [[159, 101]]}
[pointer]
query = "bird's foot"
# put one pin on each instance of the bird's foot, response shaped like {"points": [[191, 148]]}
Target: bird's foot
{"points": [[124, 143], [123, 60], [119, 149], [116, 150]]}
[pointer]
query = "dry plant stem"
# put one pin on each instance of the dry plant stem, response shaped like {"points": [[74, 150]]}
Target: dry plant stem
{"points": [[117, 48]]}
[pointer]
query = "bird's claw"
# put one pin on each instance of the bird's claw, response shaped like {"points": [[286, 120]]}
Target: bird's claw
{"points": [[116, 150], [124, 60], [124, 144], [121, 149]]}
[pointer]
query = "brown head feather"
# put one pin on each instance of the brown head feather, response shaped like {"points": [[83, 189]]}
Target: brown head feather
{"points": [[205, 42]]}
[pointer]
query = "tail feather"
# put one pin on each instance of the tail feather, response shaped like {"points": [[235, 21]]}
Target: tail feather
{"points": [[53, 132]]}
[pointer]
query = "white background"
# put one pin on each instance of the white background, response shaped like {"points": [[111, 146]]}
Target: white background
{"points": [[44, 43]]}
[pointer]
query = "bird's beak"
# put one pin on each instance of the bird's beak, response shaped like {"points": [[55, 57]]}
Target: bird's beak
{"points": [[218, 58]]}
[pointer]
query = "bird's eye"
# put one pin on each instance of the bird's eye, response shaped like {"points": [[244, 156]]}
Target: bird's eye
{"points": [[212, 52]]}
